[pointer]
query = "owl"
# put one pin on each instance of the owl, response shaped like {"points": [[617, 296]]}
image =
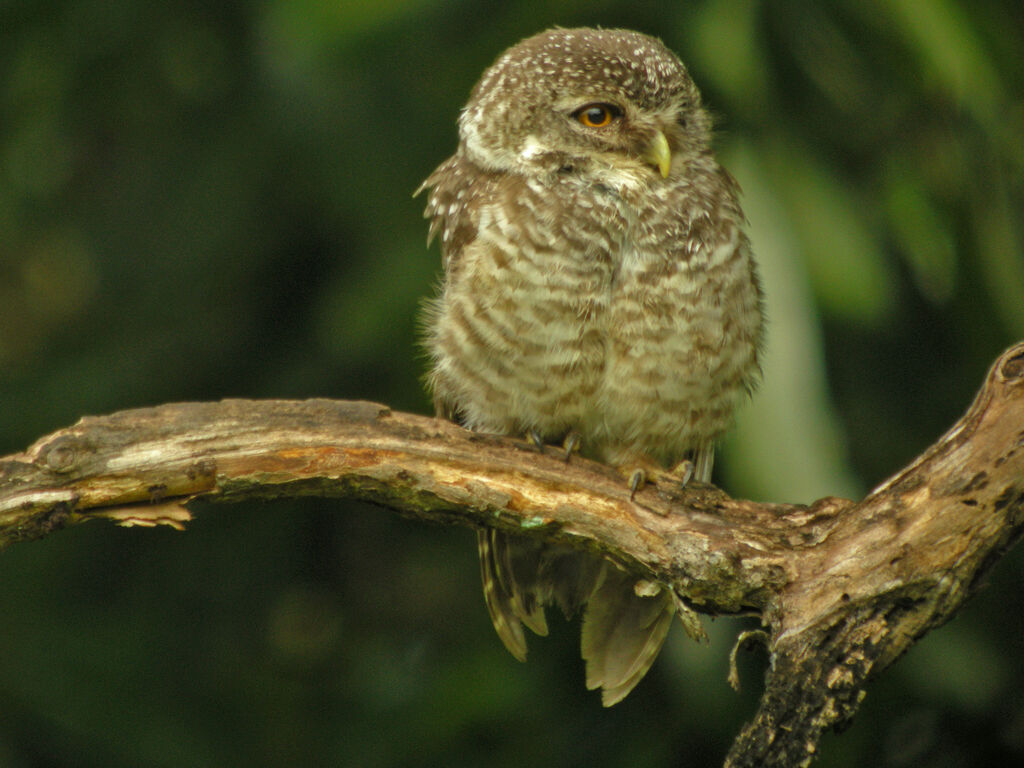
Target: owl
{"points": [[599, 293]]}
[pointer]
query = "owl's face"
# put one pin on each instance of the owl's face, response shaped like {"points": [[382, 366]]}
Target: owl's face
{"points": [[607, 105]]}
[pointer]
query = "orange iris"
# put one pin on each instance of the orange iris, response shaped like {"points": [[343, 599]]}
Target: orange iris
{"points": [[597, 115]]}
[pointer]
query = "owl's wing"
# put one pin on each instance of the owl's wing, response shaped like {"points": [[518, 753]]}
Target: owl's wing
{"points": [[454, 188]]}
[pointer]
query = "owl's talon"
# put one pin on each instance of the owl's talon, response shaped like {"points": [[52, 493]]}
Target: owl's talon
{"points": [[537, 439], [637, 480], [639, 476], [571, 444], [683, 472]]}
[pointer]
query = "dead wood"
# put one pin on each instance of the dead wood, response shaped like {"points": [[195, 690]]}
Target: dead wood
{"points": [[843, 588]]}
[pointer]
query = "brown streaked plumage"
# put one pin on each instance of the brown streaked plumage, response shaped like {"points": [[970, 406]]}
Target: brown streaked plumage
{"points": [[599, 287]]}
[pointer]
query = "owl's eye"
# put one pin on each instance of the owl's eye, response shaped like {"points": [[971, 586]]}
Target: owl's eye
{"points": [[597, 115]]}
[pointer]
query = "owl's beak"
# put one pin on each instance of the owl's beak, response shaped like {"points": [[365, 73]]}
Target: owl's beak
{"points": [[658, 153]]}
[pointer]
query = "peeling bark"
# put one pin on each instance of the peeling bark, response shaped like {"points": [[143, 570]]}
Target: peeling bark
{"points": [[843, 588]]}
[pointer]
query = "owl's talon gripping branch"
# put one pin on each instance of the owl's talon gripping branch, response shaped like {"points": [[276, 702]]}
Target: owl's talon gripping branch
{"points": [[571, 444], [637, 480], [678, 477], [683, 472], [536, 439]]}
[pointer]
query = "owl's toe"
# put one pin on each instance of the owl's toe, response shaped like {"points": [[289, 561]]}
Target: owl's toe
{"points": [[641, 474], [682, 473], [537, 439], [571, 444], [637, 480]]}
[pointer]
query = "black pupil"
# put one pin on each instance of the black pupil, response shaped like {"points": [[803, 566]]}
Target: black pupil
{"points": [[597, 115]]}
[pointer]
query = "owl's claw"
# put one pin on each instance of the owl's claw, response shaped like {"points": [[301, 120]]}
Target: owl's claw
{"points": [[537, 439], [682, 472], [637, 480], [680, 476], [571, 444]]}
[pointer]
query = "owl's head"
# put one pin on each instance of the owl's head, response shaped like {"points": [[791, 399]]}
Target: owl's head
{"points": [[601, 103]]}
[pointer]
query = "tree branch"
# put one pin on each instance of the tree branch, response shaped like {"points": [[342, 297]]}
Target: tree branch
{"points": [[843, 588]]}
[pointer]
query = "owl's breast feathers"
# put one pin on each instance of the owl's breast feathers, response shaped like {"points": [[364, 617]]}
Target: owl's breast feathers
{"points": [[629, 313]]}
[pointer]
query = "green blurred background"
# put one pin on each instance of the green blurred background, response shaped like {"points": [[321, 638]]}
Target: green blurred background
{"points": [[203, 200]]}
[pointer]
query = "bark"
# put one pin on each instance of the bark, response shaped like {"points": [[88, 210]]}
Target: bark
{"points": [[843, 588]]}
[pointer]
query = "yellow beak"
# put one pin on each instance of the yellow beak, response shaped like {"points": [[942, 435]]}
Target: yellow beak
{"points": [[658, 154]]}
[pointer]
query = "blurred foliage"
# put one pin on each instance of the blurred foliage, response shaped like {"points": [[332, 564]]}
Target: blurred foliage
{"points": [[208, 200]]}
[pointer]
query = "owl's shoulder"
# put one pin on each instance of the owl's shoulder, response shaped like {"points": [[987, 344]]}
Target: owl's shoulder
{"points": [[458, 190]]}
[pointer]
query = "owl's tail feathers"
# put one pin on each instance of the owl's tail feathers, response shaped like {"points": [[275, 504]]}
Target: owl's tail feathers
{"points": [[521, 575], [506, 605], [623, 633]]}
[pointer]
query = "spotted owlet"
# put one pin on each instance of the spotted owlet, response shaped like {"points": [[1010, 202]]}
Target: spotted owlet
{"points": [[598, 291]]}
